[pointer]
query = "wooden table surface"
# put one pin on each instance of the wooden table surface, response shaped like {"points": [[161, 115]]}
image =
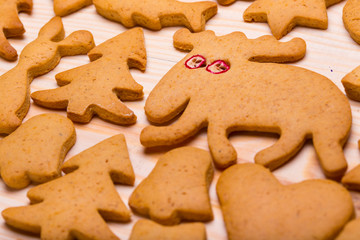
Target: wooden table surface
{"points": [[331, 53]]}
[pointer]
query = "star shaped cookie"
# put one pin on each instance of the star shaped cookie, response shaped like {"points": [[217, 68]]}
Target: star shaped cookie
{"points": [[283, 15]]}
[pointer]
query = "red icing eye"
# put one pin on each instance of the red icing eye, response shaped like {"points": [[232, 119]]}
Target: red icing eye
{"points": [[195, 61], [217, 67]]}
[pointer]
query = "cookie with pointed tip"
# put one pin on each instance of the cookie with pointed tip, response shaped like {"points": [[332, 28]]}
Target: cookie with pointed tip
{"points": [[66, 7], [36, 150], [351, 83], [177, 188], [256, 206], [283, 15], [232, 83], [155, 15], [75, 205], [10, 25], [149, 230], [351, 16], [37, 58], [97, 87]]}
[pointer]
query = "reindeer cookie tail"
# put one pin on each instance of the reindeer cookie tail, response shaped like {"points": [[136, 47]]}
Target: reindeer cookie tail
{"points": [[198, 13]]}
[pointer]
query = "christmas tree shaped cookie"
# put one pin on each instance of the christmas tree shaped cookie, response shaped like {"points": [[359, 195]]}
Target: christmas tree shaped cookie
{"points": [[149, 230], [35, 151], [224, 83], [157, 14], [65, 7], [95, 88], [75, 206], [351, 16], [10, 24], [177, 188], [37, 58], [283, 15], [256, 206]]}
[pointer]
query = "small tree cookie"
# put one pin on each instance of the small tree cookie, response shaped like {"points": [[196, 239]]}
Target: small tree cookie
{"points": [[95, 88], [223, 83], [35, 151], [37, 58], [66, 7], [10, 24], [283, 15], [177, 188], [157, 14], [149, 230], [74, 206], [255, 205]]}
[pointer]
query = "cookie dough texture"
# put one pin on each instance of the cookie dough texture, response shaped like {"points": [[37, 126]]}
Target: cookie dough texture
{"points": [[75, 205], [253, 95], [177, 188], [256, 205], [155, 15], [283, 15], [36, 150], [351, 16], [149, 230], [97, 87], [10, 25], [37, 58]]}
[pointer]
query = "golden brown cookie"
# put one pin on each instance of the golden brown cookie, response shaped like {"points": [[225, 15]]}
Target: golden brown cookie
{"points": [[352, 179], [256, 205], [35, 151], [157, 14], [37, 58], [351, 17], [351, 83], [95, 88], [10, 25], [177, 188], [75, 206], [283, 15], [66, 7], [224, 84], [149, 230], [351, 231]]}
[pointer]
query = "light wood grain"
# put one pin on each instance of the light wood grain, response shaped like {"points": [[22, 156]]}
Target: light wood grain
{"points": [[331, 53]]}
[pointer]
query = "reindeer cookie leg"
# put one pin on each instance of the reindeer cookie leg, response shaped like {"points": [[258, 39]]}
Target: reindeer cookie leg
{"points": [[331, 155], [287, 146], [187, 125], [221, 149]]}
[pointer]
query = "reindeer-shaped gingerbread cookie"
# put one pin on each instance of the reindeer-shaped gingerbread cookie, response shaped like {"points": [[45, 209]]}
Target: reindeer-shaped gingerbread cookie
{"points": [[224, 84], [37, 58]]}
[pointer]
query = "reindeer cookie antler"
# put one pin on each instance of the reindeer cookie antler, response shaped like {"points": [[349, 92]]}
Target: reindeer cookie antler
{"points": [[96, 87], [10, 24], [37, 58], [157, 14], [245, 94], [283, 15]]}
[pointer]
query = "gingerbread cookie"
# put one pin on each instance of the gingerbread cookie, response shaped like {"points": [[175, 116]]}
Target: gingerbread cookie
{"points": [[350, 231], [74, 206], [177, 188], [351, 83], [149, 230], [37, 58], [256, 205], [283, 15], [351, 16], [223, 84], [35, 151], [157, 14], [10, 25], [95, 88], [66, 7], [352, 179]]}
